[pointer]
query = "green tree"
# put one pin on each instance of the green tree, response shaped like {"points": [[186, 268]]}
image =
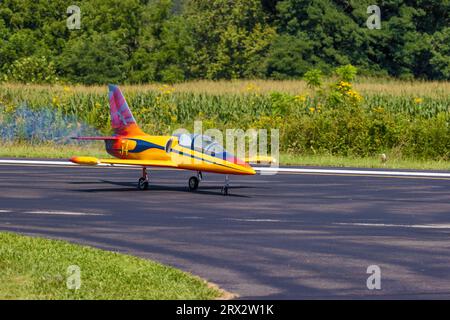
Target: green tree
{"points": [[99, 58], [289, 56], [176, 40], [165, 45], [440, 54], [334, 36], [230, 38]]}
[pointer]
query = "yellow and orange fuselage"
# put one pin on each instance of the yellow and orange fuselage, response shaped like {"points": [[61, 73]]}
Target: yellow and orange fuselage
{"points": [[165, 151]]}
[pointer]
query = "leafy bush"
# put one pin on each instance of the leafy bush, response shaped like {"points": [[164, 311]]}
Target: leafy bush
{"points": [[32, 70], [313, 78], [346, 73]]}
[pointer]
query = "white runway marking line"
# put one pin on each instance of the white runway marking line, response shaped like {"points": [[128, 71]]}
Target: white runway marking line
{"points": [[356, 172], [63, 213], [252, 220], [5, 211], [418, 226]]}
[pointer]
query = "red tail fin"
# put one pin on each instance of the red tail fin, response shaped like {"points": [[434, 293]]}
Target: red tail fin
{"points": [[122, 120]]}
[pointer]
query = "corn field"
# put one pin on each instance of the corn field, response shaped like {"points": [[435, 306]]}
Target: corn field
{"points": [[413, 122]]}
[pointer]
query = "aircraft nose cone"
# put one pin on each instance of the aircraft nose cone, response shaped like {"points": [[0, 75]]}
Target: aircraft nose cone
{"points": [[248, 168], [244, 167], [251, 170]]}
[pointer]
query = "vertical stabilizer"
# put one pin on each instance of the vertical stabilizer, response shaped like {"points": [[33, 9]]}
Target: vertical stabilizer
{"points": [[122, 120]]}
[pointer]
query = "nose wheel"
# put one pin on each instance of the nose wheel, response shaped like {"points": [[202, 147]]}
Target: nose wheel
{"points": [[225, 188], [143, 181]]}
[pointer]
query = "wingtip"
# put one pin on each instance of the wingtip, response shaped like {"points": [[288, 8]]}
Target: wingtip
{"points": [[90, 161]]}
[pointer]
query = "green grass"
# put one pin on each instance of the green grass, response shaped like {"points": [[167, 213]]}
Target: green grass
{"points": [[36, 268], [393, 162], [51, 151]]}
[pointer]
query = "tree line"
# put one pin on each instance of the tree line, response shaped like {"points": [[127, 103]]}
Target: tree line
{"points": [[140, 41]]}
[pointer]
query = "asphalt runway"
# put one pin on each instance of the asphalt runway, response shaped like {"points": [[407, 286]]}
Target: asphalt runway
{"points": [[294, 236]]}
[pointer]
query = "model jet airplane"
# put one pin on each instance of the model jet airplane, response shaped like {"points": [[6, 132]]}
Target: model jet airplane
{"points": [[131, 146]]}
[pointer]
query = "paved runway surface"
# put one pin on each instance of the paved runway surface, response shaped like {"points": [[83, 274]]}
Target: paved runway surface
{"points": [[282, 236]]}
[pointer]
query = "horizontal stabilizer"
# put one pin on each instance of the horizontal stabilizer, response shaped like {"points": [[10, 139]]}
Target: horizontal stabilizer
{"points": [[95, 138]]}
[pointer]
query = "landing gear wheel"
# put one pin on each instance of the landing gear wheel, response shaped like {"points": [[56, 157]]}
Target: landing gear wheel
{"points": [[193, 183], [224, 191], [143, 181], [143, 184]]}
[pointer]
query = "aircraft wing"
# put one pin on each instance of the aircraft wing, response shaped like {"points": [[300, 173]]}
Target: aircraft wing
{"points": [[91, 161]]}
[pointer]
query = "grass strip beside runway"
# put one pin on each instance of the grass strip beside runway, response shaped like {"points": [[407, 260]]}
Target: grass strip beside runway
{"points": [[96, 149], [37, 268]]}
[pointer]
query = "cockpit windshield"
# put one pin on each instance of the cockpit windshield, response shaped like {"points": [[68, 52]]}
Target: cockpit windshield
{"points": [[200, 143]]}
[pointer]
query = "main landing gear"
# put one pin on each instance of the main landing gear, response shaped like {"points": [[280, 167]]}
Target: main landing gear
{"points": [[194, 181], [143, 181]]}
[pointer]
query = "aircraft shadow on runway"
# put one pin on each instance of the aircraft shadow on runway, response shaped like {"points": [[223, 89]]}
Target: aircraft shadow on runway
{"points": [[129, 186]]}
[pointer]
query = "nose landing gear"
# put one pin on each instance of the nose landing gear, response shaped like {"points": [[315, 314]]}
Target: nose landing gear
{"points": [[224, 190], [143, 181]]}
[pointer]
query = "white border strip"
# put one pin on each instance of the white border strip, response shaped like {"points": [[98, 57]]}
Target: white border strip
{"points": [[260, 169], [418, 226], [356, 172], [38, 162]]}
